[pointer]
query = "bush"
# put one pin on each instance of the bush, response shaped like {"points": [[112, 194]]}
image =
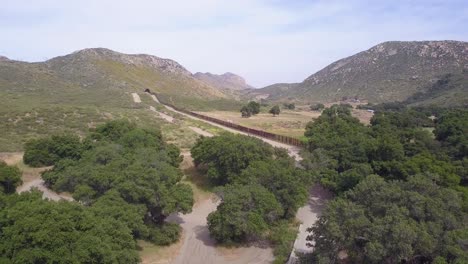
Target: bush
{"points": [[245, 213], [282, 235], [290, 106], [47, 151], [317, 107], [165, 234], [10, 178], [252, 108]]}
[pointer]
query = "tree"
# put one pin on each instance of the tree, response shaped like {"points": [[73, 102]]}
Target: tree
{"points": [[282, 179], [290, 106], [254, 107], [245, 213], [381, 221], [275, 110], [225, 156], [130, 168], [317, 107], [10, 178], [245, 111], [34, 230], [47, 151]]}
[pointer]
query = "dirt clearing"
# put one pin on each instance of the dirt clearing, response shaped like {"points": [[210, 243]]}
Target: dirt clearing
{"points": [[136, 98], [31, 177]]}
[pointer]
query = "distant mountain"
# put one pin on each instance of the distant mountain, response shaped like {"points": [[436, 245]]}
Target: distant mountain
{"points": [[102, 76], [391, 71], [226, 81]]}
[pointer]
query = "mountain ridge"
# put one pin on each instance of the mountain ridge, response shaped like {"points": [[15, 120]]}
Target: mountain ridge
{"points": [[103, 71], [225, 81], [389, 71]]}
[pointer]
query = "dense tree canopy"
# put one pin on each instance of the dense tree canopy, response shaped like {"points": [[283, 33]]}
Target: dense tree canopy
{"points": [[402, 193], [33, 230], [225, 156], [126, 181], [244, 214], [387, 222], [131, 161], [47, 151], [262, 190]]}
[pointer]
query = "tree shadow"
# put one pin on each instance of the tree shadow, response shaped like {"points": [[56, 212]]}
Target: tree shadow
{"points": [[203, 234], [318, 197]]}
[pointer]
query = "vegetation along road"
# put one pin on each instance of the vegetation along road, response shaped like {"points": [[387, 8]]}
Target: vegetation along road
{"points": [[309, 213]]}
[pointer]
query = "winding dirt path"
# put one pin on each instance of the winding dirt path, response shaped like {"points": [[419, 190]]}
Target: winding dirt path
{"points": [[31, 177]]}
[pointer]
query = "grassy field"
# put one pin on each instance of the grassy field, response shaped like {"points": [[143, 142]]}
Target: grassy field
{"points": [[288, 122], [22, 122]]}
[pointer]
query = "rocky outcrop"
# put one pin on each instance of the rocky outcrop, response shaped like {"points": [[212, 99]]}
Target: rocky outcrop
{"points": [[226, 81]]}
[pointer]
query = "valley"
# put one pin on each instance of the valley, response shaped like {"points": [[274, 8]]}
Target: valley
{"points": [[115, 137]]}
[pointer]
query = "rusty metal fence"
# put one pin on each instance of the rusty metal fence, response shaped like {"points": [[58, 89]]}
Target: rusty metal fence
{"points": [[280, 138]]}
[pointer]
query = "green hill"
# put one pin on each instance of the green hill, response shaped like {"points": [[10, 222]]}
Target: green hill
{"points": [[76, 91]]}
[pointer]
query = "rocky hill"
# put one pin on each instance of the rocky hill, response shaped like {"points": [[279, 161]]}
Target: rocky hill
{"points": [[391, 71], [226, 81]]}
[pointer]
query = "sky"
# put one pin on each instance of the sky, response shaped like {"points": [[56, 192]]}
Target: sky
{"points": [[264, 41]]}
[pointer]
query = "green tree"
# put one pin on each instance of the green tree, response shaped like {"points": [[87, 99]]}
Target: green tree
{"points": [[245, 213], [245, 111], [225, 156], [317, 107], [282, 179], [10, 178], [47, 151], [34, 230], [381, 221], [254, 107], [275, 110], [131, 168]]}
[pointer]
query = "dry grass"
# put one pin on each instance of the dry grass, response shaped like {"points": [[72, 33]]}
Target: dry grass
{"points": [[288, 123]]}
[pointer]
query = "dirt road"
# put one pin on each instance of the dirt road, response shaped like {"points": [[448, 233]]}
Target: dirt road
{"points": [[308, 215], [292, 150], [168, 118], [199, 247]]}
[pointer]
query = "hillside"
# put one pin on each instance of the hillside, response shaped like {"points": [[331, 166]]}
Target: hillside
{"points": [[76, 91], [226, 81], [391, 71], [451, 90], [93, 76]]}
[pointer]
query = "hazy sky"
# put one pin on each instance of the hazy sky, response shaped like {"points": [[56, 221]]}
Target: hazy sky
{"points": [[264, 41]]}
